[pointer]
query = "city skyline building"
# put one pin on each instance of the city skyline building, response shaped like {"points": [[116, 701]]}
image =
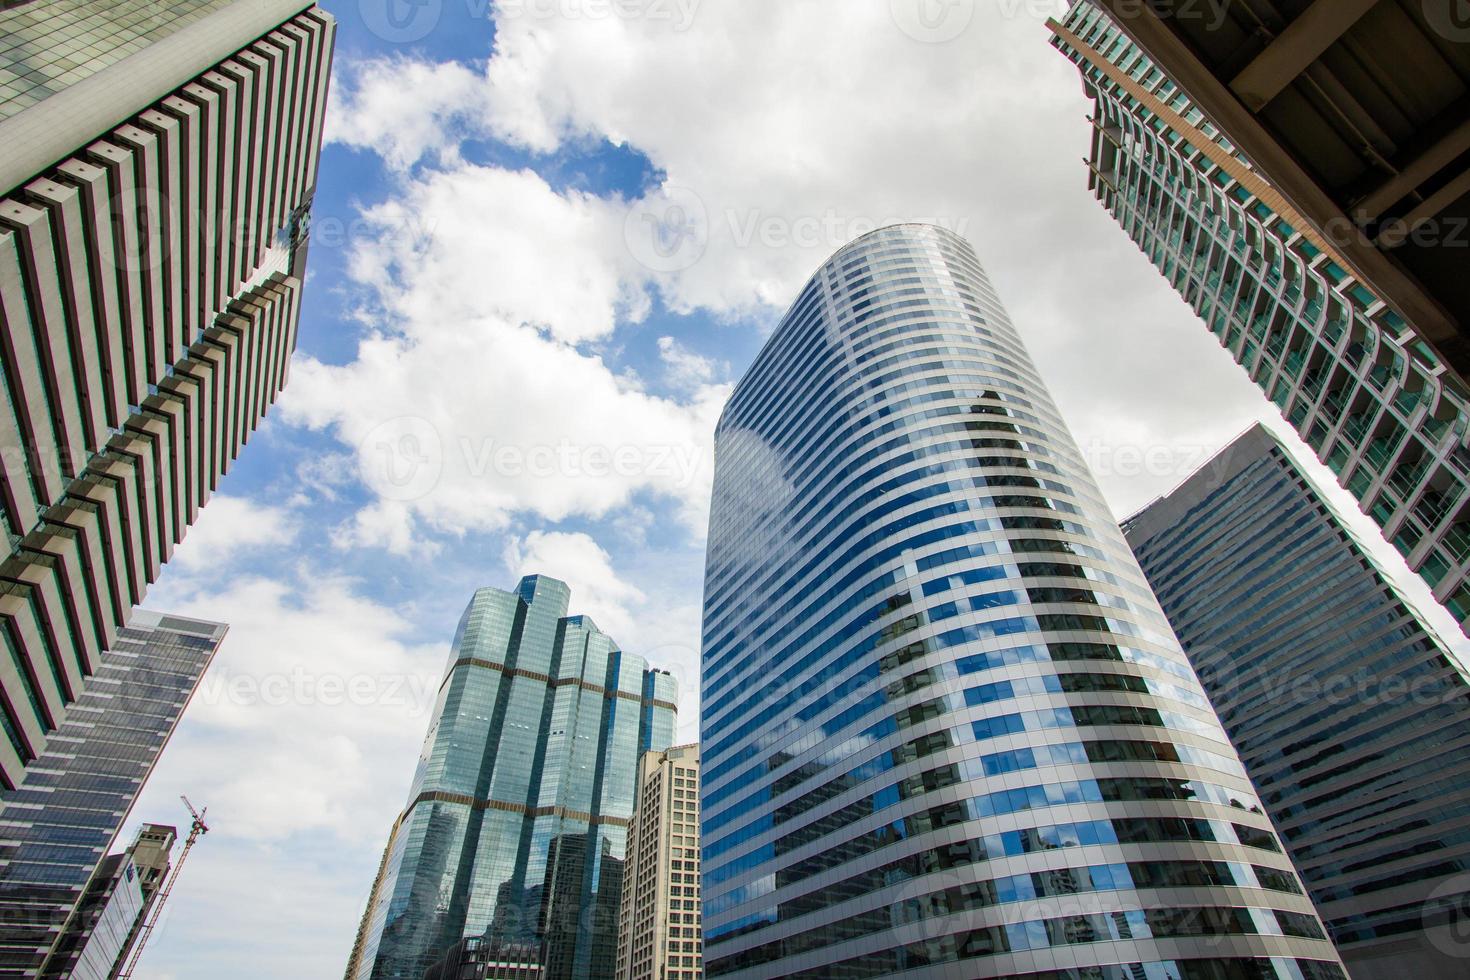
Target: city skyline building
{"points": [[946, 728], [98, 938], [1352, 718], [1374, 401], [508, 859], [155, 190], [1356, 112], [60, 823], [659, 935]]}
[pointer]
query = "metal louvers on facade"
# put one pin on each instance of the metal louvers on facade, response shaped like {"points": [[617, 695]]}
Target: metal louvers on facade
{"points": [[149, 296], [946, 729], [508, 860], [1350, 715], [1370, 397]]}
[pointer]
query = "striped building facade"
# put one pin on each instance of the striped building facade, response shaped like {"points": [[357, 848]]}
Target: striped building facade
{"points": [[1374, 401], [946, 729], [1350, 714], [155, 187]]}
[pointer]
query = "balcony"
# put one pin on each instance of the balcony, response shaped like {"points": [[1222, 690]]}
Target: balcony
{"points": [[1355, 429], [1381, 451], [1406, 477]]}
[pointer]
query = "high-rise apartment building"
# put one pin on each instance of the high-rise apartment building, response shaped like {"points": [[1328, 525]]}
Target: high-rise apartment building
{"points": [[110, 916], [156, 176], [659, 936], [508, 860], [58, 825], [1347, 371], [1358, 113], [946, 729], [1351, 717]]}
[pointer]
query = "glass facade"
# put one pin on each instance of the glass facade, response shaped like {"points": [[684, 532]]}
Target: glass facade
{"points": [[110, 916], [946, 729], [118, 907], [46, 46], [515, 834], [1351, 718], [1364, 392], [60, 822]]}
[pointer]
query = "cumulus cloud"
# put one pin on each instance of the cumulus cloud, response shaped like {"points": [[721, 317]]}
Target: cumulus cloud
{"points": [[578, 560], [405, 110], [473, 400], [300, 740], [469, 242], [230, 525], [308, 661], [807, 146], [684, 367]]}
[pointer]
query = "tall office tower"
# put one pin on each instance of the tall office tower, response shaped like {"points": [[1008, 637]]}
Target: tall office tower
{"points": [[58, 825], [659, 935], [946, 729], [1374, 401], [508, 859], [1357, 112], [98, 939], [157, 169], [1352, 720]]}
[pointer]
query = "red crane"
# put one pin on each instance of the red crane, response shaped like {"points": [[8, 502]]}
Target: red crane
{"points": [[196, 830]]}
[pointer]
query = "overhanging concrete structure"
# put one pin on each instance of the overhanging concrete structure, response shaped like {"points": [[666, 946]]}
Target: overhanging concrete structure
{"points": [[1358, 113]]}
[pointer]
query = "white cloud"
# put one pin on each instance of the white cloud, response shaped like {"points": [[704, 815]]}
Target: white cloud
{"points": [[314, 683], [579, 561], [471, 402], [387, 524], [301, 741], [784, 134], [683, 367], [403, 109], [470, 242], [809, 147], [229, 525]]}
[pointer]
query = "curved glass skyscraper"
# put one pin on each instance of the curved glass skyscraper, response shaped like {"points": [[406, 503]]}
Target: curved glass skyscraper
{"points": [[947, 730]]}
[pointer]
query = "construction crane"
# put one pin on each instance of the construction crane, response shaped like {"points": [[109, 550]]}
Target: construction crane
{"points": [[196, 830]]}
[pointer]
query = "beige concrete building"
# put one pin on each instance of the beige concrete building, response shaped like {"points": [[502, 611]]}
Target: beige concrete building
{"points": [[659, 931]]}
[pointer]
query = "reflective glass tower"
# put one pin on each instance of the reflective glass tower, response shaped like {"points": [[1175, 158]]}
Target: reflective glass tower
{"points": [[57, 826], [946, 729], [508, 860], [1372, 399], [1350, 716], [157, 164]]}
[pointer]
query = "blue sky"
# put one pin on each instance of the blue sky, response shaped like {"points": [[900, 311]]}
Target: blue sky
{"points": [[548, 236]]}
